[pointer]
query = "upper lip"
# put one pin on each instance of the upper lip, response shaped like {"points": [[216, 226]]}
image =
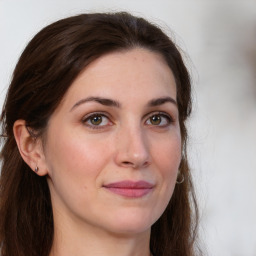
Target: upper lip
{"points": [[141, 184]]}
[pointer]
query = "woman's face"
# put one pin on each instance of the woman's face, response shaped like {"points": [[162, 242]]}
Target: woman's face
{"points": [[113, 146]]}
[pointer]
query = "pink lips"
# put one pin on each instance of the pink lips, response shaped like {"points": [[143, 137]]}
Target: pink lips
{"points": [[130, 188]]}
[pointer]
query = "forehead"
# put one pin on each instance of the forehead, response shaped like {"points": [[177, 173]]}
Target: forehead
{"points": [[132, 73]]}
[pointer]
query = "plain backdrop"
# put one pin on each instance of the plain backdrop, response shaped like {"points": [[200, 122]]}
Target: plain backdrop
{"points": [[219, 43]]}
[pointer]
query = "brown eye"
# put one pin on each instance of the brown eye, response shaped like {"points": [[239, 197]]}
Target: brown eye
{"points": [[159, 119], [96, 120], [155, 120]]}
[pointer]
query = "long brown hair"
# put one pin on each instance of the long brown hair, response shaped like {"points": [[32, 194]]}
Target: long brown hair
{"points": [[44, 72]]}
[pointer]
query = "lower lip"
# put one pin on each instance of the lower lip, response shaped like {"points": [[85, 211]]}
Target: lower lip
{"points": [[130, 192]]}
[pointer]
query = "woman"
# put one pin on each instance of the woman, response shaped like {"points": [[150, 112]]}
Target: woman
{"points": [[94, 157]]}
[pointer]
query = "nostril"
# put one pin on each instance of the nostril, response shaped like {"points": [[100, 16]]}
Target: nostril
{"points": [[127, 163], [135, 165]]}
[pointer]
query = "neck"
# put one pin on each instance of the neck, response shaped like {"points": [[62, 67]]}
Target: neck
{"points": [[86, 240]]}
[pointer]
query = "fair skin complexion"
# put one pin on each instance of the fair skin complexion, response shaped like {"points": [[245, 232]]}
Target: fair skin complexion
{"points": [[117, 122]]}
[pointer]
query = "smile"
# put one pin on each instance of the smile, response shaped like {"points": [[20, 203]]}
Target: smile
{"points": [[130, 189]]}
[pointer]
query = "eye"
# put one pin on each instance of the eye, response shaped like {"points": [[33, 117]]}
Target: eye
{"points": [[159, 119], [96, 121]]}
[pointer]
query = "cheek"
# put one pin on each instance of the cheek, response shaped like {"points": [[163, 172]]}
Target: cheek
{"points": [[74, 165], [167, 163], [166, 158], [167, 154], [78, 155]]}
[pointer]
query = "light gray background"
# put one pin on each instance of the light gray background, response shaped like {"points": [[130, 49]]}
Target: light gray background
{"points": [[220, 39]]}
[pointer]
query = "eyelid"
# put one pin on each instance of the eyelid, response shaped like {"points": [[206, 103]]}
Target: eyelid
{"points": [[103, 113], [99, 113], [161, 113]]}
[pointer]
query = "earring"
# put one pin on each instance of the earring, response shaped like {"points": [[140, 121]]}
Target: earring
{"points": [[36, 169], [182, 179]]}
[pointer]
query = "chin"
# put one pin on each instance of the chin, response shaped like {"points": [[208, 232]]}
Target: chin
{"points": [[130, 229], [133, 222]]}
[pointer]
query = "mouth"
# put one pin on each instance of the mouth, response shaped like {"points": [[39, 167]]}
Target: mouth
{"points": [[132, 189]]}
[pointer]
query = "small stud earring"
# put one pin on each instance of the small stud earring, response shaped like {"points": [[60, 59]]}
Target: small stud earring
{"points": [[36, 169]]}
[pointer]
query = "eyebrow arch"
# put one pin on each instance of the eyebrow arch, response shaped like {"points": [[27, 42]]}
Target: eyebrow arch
{"points": [[103, 101], [160, 101]]}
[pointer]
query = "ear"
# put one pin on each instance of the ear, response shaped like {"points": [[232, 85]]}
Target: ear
{"points": [[30, 148]]}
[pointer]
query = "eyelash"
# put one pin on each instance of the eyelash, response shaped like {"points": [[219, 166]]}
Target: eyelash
{"points": [[167, 117], [88, 118]]}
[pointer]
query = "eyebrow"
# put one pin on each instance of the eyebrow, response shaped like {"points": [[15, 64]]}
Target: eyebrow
{"points": [[113, 103], [161, 101], [102, 101]]}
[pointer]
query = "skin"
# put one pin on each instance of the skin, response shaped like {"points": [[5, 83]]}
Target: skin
{"points": [[129, 140]]}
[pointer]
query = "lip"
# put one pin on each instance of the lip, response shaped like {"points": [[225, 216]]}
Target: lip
{"points": [[132, 189]]}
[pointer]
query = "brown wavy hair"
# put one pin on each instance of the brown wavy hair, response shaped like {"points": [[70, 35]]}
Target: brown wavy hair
{"points": [[43, 74]]}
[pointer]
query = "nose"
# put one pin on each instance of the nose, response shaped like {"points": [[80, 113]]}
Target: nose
{"points": [[132, 148]]}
